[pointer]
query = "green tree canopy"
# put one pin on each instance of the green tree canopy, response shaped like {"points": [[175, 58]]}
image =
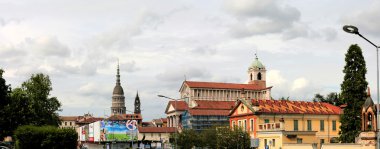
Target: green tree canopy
{"points": [[353, 93], [331, 98], [42, 107], [4, 102], [29, 105]]}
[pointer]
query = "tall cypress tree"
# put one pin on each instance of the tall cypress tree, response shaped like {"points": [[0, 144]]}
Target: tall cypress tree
{"points": [[353, 93]]}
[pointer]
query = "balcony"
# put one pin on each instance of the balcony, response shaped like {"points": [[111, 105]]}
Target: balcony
{"points": [[271, 127]]}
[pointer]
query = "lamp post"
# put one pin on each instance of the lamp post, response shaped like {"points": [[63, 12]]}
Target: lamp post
{"points": [[175, 113], [354, 30]]}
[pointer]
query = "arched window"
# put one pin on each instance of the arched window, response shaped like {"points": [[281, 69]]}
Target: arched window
{"points": [[259, 76], [251, 77]]}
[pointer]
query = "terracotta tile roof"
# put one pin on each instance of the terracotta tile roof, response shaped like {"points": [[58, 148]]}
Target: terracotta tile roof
{"points": [[216, 105], [295, 107], [164, 120], [68, 118], [160, 120], [178, 105], [157, 121], [87, 120], [156, 129], [119, 117], [147, 124], [199, 112], [219, 85]]}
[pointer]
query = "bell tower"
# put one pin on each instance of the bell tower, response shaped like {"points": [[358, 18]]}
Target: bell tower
{"points": [[257, 73], [367, 136]]}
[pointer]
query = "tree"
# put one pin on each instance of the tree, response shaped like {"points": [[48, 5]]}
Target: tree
{"points": [[353, 93], [45, 137], [331, 98], [31, 105], [208, 138], [237, 138], [4, 102], [43, 108], [187, 139]]}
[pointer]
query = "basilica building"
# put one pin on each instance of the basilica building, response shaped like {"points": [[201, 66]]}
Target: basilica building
{"points": [[205, 104]]}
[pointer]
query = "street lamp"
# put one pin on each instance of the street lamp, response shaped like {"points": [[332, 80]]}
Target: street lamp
{"points": [[354, 30], [175, 113]]}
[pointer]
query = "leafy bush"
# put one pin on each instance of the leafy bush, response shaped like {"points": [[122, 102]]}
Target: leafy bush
{"points": [[45, 137]]}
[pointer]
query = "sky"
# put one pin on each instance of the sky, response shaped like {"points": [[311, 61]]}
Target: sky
{"points": [[161, 43]]}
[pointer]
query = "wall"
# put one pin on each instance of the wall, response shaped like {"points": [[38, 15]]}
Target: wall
{"points": [[297, 146], [346, 146]]}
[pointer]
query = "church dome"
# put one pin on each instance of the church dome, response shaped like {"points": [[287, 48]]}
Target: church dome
{"points": [[257, 64], [118, 90]]}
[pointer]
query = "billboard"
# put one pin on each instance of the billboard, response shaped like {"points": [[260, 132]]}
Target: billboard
{"points": [[118, 130]]}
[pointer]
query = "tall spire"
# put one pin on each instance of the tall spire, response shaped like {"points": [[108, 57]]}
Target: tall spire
{"points": [[137, 104], [118, 98], [118, 74]]}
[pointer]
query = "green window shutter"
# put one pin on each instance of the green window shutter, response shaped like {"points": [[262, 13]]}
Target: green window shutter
{"points": [[322, 125], [295, 125], [309, 128]]}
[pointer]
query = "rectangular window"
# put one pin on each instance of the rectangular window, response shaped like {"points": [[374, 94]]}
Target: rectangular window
{"points": [[251, 125], [266, 121], [322, 125], [299, 140], [322, 141], [65, 123], [309, 128], [295, 125], [70, 123], [273, 142], [245, 125], [334, 125], [265, 143]]}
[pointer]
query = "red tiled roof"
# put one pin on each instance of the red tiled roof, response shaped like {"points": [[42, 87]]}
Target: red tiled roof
{"points": [[164, 120], [119, 117], [68, 118], [87, 120], [194, 112], [178, 105], [219, 85], [216, 105], [156, 129], [295, 107]]}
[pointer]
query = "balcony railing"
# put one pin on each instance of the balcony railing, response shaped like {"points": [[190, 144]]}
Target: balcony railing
{"points": [[271, 126]]}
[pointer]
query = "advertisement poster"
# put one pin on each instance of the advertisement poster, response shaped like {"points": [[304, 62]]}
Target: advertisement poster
{"points": [[96, 131], [118, 130], [91, 132], [83, 136]]}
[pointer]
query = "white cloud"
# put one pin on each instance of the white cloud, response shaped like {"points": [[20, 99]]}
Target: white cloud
{"points": [[367, 20], [261, 17], [299, 84], [274, 78]]}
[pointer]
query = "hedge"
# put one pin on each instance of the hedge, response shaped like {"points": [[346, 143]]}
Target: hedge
{"points": [[45, 137]]}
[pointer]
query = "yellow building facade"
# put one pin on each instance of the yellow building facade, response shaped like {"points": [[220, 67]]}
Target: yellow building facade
{"points": [[286, 124]]}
